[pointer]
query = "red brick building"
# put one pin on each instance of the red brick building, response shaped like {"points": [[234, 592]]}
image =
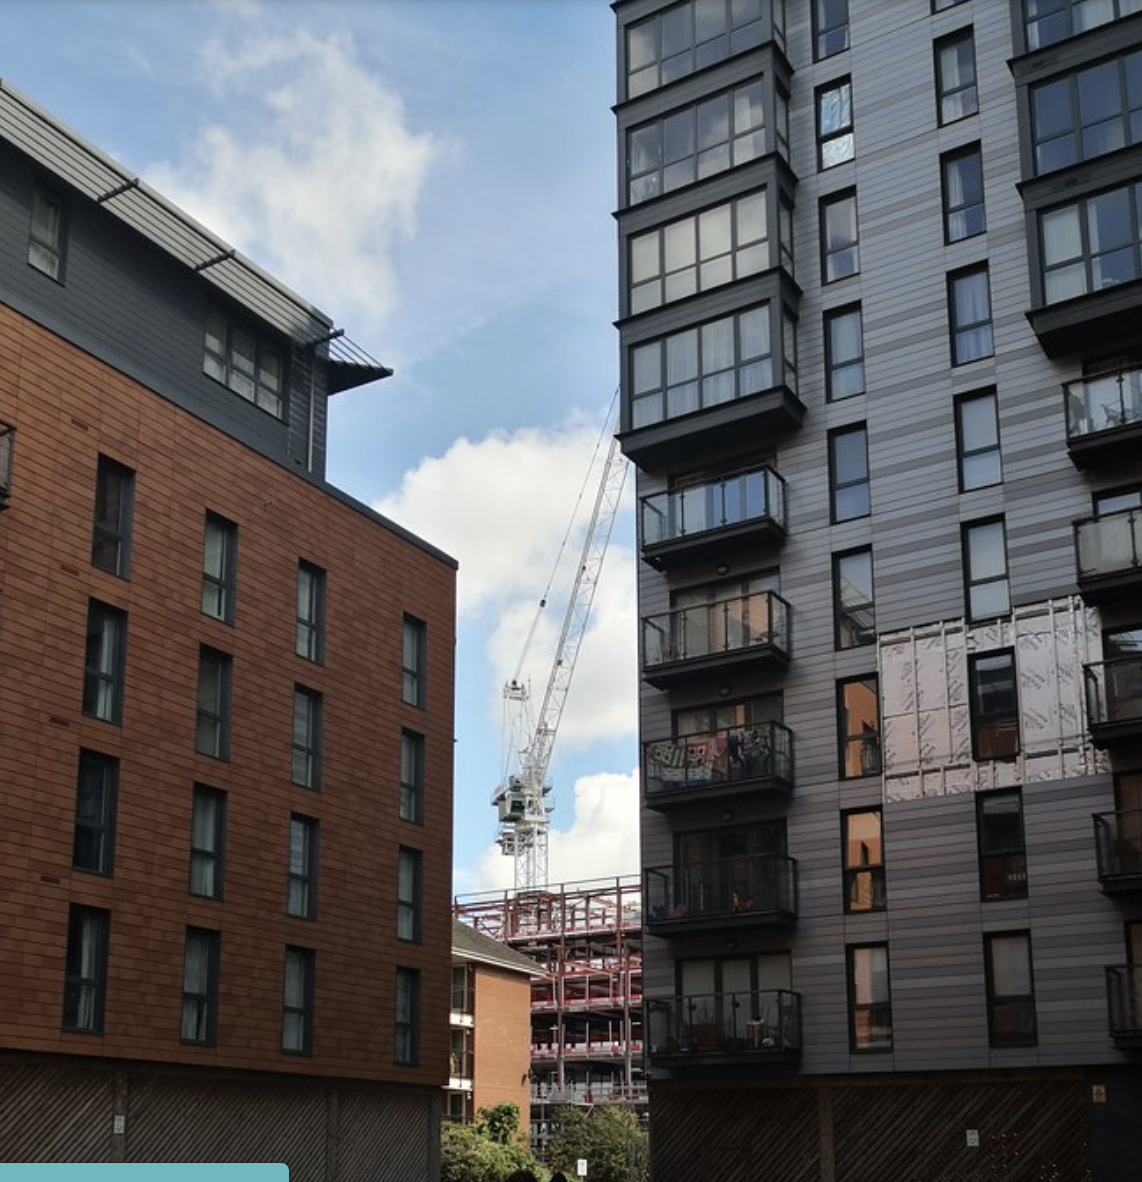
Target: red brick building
{"points": [[225, 710]]}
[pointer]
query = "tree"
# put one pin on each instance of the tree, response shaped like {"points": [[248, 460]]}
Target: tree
{"points": [[487, 1151], [609, 1137]]}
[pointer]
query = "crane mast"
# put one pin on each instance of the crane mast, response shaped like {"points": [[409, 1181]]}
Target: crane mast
{"points": [[521, 799]]}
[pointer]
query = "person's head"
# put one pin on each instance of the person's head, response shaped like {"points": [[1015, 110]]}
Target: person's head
{"points": [[559, 1176], [521, 1176]]}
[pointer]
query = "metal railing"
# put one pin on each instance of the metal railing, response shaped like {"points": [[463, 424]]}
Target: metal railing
{"points": [[750, 884], [1118, 845], [1104, 403], [754, 1022], [1114, 691], [1109, 545], [719, 758], [719, 504], [1124, 1000], [716, 629]]}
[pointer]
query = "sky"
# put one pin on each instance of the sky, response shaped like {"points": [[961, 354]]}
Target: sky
{"points": [[438, 176]]}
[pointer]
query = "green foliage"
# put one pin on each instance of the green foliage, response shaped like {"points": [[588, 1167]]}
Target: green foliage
{"points": [[487, 1151], [500, 1122], [608, 1136]]}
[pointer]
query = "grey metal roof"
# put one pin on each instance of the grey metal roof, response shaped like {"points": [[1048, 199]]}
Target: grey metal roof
{"points": [[469, 944]]}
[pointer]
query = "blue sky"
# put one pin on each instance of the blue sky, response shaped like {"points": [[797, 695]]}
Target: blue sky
{"points": [[437, 175]]}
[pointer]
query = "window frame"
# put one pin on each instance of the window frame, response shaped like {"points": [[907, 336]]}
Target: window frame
{"points": [[105, 662], [965, 455], [97, 833], [1000, 863], [203, 1001], [826, 28], [963, 208], [220, 361], [839, 489], [306, 742], [302, 861], [1096, 276], [208, 859], [857, 1007], [959, 334], [111, 527], [410, 894], [414, 654], [832, 318], [830, 254], [298, 1014], [848, 740], [406, 1017], [410, 806], [843, 612], [960, 100], [970, 532], [867, 879], [1067, 10], [215, 713], [988, 721], [309, 635], [47, 251], [995, 1037], [840, 136], [80, 979], [220, 579]]}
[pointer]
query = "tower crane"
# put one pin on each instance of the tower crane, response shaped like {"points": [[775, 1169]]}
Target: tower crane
{"points": [[521, 797]]}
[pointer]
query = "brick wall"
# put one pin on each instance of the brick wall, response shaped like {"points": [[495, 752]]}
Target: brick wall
{"points": [[502, 1047]]}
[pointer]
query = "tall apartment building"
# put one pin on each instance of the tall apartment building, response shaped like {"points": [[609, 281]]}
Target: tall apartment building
{"points": [[880, 284], [225, 710]]}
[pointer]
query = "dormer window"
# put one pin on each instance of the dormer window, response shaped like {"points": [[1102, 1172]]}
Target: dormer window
{"points": [[45, 236], [244, 362]]}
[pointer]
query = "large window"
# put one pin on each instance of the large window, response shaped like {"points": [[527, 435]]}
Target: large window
{"points": [[200, 964], [985, 570], [105, 662], [406, 1018], [301, 893], [848, 473], [1048, 21], [701, 367], [111, 528], [1002, 860], [409, 890], [977, 440], [46, 233], [310, 635], [249, 365], [863, 841], [994, 705], [830, 27], [699, 252], [858, 726], [853, 600], [716, 134], [840, 251], [212, 715], [297, 1000], [207, 841], [956, 91], [1092, 244], [85, 974], [1010, 990], [962, 174], [219, 567], [306, 744], [870, 1004], [413, 650], [412, 777], [969, 313], [835, 142], [844, 353], [97, 787]]}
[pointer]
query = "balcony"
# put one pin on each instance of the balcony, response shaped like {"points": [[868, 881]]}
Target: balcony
{"points": [[1114, 701], [714, 639], [1104, 418], [1118, 845], [717, 1029], [1124, 1003], [1108, 550], [727, 893], [707, 520], [718, 766], [7, 442]]}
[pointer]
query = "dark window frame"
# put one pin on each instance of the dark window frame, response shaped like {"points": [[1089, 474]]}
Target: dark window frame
{"points": [[959, 99], [867, 744], [832, 254], [112, 517], [830, 35], [298, 1012], [93, 843], [994, 731], [1023, 1004], [1100, 269], [839, 490], [1066, 11], [302, 861], [85, 984], [974, 581], [1002, 848], [836, 136], [844, 613], [47, 253], [414, 654], [220, 578], [969, 207], [410, 893], [105, 662], [411, 779], [309, 637], [865, 879], [961, 332], [214, 714], [406, 1017], [199, 1018], [208, 861], [857, 1008], [968, 456], [224, 362], [306, 744], [833, 366]]}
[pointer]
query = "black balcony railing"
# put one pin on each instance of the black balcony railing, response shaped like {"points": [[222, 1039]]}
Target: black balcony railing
{"points": [[1109, 553], [712, 635], [716, 764], [1114, 700], [749, 888], [755, 1024], [1124, 1002], [7, 442], [1104, 414], [1118, 846]]}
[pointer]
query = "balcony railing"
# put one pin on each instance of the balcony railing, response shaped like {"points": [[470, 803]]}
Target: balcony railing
{"points": [[1109, 554], [1124, 1003], [1118, 846], [718, 764], [1104, 415], [755, 1025], [693, 641], [7, 442], [701, 518], [750, 888], [1114, 700]]}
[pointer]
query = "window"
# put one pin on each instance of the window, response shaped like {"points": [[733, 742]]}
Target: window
{"points": [[699, 252], [1092, 244], [413, 661], [406, 1025], [212, 723], [301, 897], [964, 213], [1049, 21], [955, 76], [969, 304], [716, 134], [840, 253], [870, 1005], [104, 666], [858, 720], [977, 441], [310, 637], [207, 841], [409, 871], [994, 705], [1002, 861], [985, 566], [85, 979], [111, 529], [853, 599], [1010, 991], [848, 473], [297, 1001], [844, 353], [463, 989], [1087, 113], [200, 986], [862, 838], [93, 848], [830, 27], [219, 553], [46, 234], [716, 362], [835, 123], [306, 738], [246, 364], [412, 777]]}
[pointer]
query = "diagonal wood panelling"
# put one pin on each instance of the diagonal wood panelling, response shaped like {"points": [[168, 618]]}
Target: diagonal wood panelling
{"points": [[383, 1135], [54, 1113]]}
